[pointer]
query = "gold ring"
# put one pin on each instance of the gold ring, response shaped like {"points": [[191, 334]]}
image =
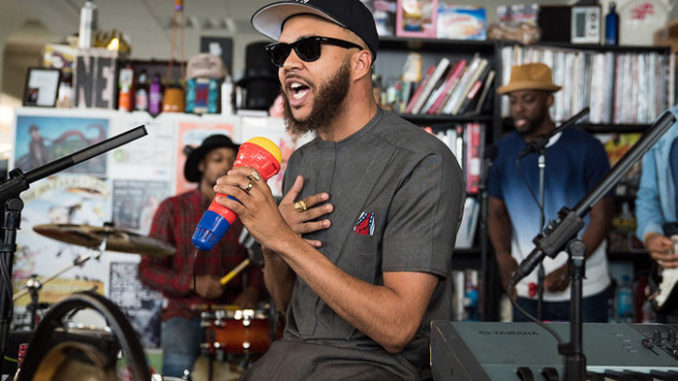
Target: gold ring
{"points": [[249, 186], [254, 176], [300, 206]]}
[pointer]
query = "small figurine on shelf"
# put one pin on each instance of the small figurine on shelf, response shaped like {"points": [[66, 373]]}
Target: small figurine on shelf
{"points": [[203, 76]]}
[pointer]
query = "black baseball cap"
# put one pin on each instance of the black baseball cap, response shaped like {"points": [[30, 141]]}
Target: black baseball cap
{"points": [[350, 14]]}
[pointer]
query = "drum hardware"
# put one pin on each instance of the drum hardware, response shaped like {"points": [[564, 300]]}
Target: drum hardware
{"points": [[40, 350], [33, 284], [98, 239]]}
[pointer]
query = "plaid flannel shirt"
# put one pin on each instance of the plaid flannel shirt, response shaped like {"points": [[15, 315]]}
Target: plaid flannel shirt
{"points": [[174, 222]]}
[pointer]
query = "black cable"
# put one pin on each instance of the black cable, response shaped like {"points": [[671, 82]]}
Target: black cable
{"points": [[195, 269], [527, 184], [534, 319], [6, 281]]}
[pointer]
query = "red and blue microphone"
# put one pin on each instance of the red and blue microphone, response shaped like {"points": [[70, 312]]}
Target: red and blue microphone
{"points": [[258, 153]]}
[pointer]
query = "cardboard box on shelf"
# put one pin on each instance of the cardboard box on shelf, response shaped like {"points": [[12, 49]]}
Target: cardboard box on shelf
{"points": [[667, 36]]}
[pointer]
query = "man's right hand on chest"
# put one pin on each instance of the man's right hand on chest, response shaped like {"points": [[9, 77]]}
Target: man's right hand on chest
{"points": [[208, 286]]}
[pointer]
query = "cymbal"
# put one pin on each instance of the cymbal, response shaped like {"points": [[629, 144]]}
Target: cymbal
{"points": [[118, 240]]}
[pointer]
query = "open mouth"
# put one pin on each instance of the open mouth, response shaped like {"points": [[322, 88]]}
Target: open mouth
{"points": [[298, 90]]}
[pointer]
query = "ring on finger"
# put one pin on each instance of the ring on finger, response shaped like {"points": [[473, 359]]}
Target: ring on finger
{"points": [[300, 206], [249, 186]]}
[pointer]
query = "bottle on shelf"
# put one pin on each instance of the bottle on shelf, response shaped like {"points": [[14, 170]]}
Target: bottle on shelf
{"points": [[155, 96], [625, 301], [23, 348], [227, 96], [126, 88], [612, 26], [88, 24], [141, 93]]}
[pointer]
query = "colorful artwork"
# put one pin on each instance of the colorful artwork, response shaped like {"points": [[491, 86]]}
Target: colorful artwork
{"points": [[43, 139]]}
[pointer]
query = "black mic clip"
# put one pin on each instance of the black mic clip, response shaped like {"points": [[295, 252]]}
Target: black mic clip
{"points": [[535, 145], [542, 140], [551, 241]]}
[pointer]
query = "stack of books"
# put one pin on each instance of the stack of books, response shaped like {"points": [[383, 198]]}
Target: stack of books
{"points": [[449, 88]]}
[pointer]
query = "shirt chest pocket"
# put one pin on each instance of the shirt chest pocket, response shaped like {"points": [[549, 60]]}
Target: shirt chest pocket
{"points": [[361, 255]]}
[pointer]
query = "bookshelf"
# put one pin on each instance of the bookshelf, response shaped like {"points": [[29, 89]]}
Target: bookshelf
{"points": [[393, 53], [581, 69]]}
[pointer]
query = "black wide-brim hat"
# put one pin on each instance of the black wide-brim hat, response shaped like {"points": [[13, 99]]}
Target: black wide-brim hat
{"points": [[191, 171]]}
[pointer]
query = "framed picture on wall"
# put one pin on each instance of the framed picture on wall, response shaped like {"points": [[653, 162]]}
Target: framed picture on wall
{"points": [[42, 85], [221, 46]]}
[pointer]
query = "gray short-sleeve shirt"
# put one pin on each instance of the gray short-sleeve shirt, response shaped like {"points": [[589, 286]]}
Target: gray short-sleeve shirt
{"points": [[398, 194]]}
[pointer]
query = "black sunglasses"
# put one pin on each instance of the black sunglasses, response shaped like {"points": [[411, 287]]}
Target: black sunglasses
{"points": [[307, 48]]}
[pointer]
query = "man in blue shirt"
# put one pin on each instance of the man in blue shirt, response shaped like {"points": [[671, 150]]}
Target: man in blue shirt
{"points": [[656, 205], [575, 162]]}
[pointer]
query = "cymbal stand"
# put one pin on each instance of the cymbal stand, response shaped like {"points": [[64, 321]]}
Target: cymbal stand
{"points": [[34, 285], [79, 261]]}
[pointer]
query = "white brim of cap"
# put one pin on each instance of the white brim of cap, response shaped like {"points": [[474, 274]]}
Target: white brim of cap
{"points": [[269, 19]]}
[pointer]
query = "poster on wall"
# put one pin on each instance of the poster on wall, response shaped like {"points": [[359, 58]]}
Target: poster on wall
{"points": [[135, 202], [190, 135], [288, 142], [141, 305], [149, 157], [61, 199], [42, 139]]}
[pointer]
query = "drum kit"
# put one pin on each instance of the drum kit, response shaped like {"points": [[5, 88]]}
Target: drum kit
{"points": [[235, 337]]}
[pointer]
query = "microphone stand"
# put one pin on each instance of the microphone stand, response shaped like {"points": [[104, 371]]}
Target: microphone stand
{"points": [[490, 155], [539, 146], [562, 232], [9, 195], [541, 164]]}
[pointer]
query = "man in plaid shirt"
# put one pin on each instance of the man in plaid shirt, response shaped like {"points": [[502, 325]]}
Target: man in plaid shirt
{"points": [[174, 222]]}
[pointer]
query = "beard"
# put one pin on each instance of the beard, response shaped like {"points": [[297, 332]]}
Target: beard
{"points": [[327, 103]]}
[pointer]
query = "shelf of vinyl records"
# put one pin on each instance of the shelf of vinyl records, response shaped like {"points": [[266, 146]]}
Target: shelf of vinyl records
{"points": [[623, 86]]}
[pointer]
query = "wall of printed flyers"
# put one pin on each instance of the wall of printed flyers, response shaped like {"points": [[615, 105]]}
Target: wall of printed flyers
{"points": [[123, 186]]}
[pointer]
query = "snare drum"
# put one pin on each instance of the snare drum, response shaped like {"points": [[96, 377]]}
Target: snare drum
{"points": [[237, 331]]}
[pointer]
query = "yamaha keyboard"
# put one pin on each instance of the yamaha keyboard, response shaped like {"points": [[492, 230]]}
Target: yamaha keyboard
{"points": [[484, 351]]}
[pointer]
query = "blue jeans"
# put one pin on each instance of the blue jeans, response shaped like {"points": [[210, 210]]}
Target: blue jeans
{"points": [[181, 340], [594, 309]]}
